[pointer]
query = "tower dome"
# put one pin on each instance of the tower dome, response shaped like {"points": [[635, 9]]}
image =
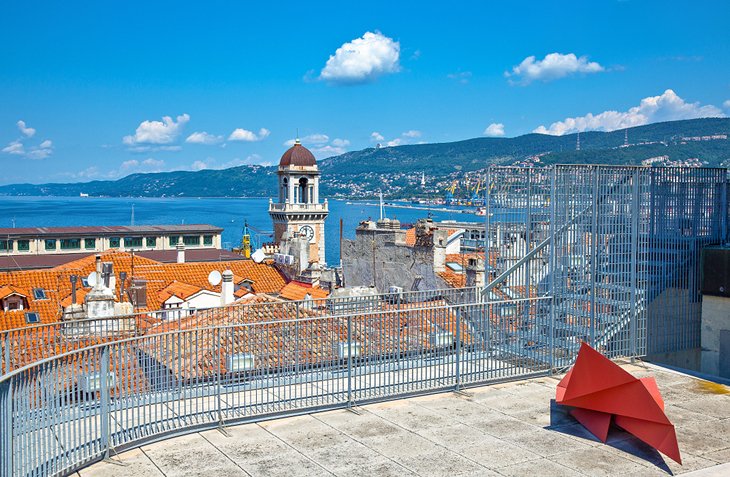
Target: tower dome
{"points": [[297, 155]]}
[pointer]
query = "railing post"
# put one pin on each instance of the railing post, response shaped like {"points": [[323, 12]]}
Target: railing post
{"points": [[552, 267], [219, 373], [349, 361], [7, 353], [458, 349], [634, 262], [104, 404], [594, 255], [6, 427]]}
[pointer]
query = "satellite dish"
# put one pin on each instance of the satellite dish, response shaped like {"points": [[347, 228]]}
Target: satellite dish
{"points": [[258, 256], [214, 277], [91, 279]]}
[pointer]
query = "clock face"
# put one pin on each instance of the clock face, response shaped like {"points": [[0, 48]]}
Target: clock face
{"points": [[308, 232]]}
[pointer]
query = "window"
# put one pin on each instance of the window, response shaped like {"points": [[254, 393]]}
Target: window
{"points": [[50, 244], [151, 242], [193, 240], [207, 240], [455, 266], [114, 242], [13, 305], [85, 282], [130, 242], [173, 240], [32, 317], [90, 243], [39, 294], [70, 244], [6, 245], [23, 245]]}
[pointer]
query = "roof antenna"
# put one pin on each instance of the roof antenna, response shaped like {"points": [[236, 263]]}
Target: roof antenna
{"points": [[297, 141]]}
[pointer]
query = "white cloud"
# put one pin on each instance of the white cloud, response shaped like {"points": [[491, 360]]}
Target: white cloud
{"points": [[245, 135], [726, 104], [553, 66], [362, 60], [337, 142], [15, 147], [494, 130], [212, 163], [199, 166], [157, 132], [462, 77], [26, 130], [406, 137], [321, 146], [203, 138], [315, 139], [18, 147], [665, 107]]}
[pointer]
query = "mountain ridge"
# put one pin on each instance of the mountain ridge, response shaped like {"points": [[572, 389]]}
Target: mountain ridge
{"points": [[360, 173]]}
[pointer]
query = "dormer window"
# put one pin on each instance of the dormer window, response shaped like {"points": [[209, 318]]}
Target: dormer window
{"points": [[39, 294]]}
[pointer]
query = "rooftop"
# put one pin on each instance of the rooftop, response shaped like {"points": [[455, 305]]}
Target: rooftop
{"points": [[50, 260], [107, 230], [502, 429]]}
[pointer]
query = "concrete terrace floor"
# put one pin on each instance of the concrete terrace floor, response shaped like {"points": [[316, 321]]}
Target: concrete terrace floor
{"points": [[501, 429]]}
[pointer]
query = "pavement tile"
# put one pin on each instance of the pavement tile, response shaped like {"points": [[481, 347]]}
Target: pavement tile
{"points": [[190, 455], [133, 459], [599, 462]]}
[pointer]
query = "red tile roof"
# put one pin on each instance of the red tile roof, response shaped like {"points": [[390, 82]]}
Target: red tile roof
{"points": [[298, 291]]}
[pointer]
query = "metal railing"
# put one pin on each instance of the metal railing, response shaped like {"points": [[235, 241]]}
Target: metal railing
{"points": [[22, 346], [64, 412]]}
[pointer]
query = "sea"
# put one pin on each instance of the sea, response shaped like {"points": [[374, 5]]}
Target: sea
{"points": [[228, 213]]}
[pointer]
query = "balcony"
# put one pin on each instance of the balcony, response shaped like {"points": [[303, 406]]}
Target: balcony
{"points": [[503, 429], [296, 208]]}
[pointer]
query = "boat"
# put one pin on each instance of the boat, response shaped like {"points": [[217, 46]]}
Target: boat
{"points": [[83, 194], [481, 211]]}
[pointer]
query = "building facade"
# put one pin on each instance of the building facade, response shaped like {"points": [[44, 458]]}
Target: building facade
{"points": [[59, 240], [299, 212]]}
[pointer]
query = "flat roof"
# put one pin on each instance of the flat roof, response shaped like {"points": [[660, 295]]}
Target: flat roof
{"points": [[498, 430], [9, 263], [103, 230]]}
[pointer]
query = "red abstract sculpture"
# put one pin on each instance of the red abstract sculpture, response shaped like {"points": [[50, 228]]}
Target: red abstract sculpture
{"points": [[599, 389]]}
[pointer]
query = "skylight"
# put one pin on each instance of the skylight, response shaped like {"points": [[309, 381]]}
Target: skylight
{"points": [[32, 317], [455, 266], [39, 294]]}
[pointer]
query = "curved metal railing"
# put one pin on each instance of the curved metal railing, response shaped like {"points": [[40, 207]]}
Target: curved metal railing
{"points": [[63, 412]]}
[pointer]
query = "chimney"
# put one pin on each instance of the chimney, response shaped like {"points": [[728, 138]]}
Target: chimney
{"points": [[475, 276], [98, 284], [439, 237], [108, 271], [180, 251], [227, 288], [73, 289], [123, 280]]}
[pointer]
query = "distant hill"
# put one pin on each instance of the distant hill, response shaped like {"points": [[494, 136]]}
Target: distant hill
{"points": [[361, 173]]}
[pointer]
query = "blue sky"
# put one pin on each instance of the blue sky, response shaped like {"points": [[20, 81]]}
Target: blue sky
{"points": [[106, 89]]}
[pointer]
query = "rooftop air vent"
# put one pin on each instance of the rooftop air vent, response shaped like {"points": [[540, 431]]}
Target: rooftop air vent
{"points": [[343, 351], [91, 383], [235, 363], [441, 339]]}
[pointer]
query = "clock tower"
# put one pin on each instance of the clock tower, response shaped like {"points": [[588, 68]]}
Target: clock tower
{"points": [[298, 212]]}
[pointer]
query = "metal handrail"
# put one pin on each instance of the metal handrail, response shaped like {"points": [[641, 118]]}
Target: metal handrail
{"points": [[77, 407]]}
